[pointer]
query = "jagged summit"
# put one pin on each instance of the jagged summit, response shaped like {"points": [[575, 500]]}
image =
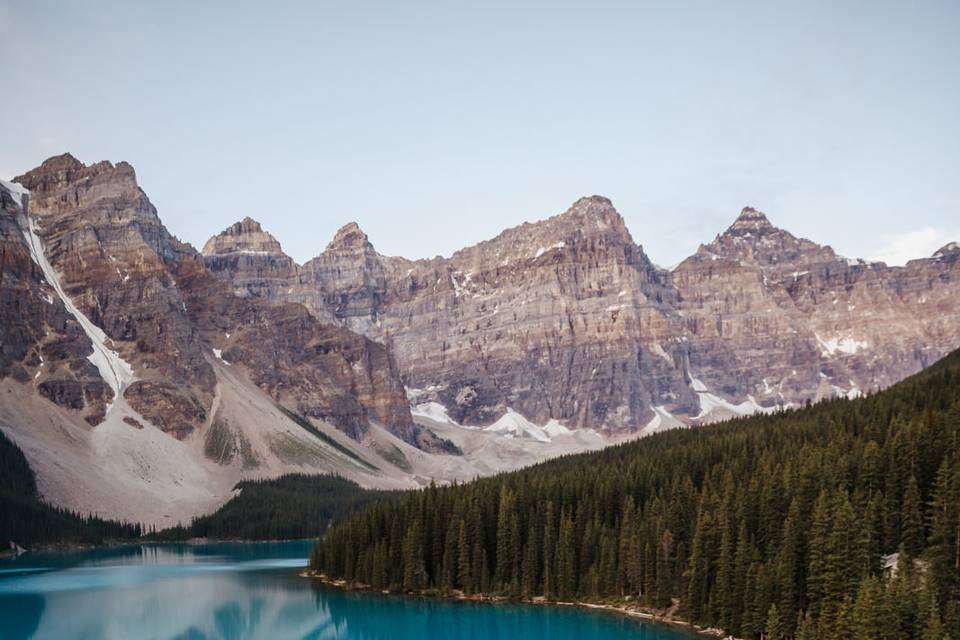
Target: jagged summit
{"points": [[62, 161], [589, 215], [86, 182], [752, 238], [246, 236], [249, 223], [245, 226], [949, 249], [349, 236], [750, 219], [66, 167], [593, 207], [594, 200]]}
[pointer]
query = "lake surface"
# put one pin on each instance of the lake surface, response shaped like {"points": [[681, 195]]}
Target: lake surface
{"points": [[193, 592]]}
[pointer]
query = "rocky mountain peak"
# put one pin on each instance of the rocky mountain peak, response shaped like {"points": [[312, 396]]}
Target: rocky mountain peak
{"points": [[86, 183], [597, 210], [61, 169], [594, 201], [246, 236], [59, 163], [951, 249], [248, 224], [752, 238], [590, 216], [349, 236], [750, 219]]}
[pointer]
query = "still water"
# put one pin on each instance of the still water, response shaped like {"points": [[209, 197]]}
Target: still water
{"points": [[196, 592]]}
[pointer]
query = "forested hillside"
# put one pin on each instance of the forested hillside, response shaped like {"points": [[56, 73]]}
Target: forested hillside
{"points": [[288, 507], [26, 520], [774, 525]]}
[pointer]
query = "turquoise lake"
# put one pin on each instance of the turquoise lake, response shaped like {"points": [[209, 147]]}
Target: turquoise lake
{"points": [[193, 592]]}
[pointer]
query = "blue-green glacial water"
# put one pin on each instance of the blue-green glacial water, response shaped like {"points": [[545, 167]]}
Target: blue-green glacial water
{"points": [[193, 592]]}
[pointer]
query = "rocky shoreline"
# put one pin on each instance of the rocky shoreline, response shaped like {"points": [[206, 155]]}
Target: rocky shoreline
{"points": [[658, 616]]}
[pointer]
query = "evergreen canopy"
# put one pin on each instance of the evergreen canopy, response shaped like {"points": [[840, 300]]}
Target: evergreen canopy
{"points": [[773, 525]]}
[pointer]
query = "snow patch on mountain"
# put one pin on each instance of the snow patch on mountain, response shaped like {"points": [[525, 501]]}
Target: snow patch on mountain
{"points": [[16, 191], [555, 428], [947, 249], [515, 425], [835, 345], [710, 403], [662, 420], [543, 250], [851, 393], [512, 424], [114, 370], [432, 411]]}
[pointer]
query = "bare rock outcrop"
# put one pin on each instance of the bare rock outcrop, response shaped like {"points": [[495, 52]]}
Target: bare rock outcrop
{"points": [[41, 343]]}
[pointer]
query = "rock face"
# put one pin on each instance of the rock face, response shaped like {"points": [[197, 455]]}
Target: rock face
{"points": [[774, 317], [567, 319], [42, 343], [254, 255], [113, 258], [158, 316], [562, 319]]}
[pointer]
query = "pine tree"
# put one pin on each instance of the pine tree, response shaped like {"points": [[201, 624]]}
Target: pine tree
{"points": [[871, 537], [817, 552], [773, 630], [664, 573], [724, 602], [566, 559], [740, 564], [414, 569], [628, 576], [698, 573], [506, 554], [451, 561], [807, 629], [531, 562], [649, 574], [911, 519], [790, 569], [842, 625], [945, 533], [549, 554], [464, 559], [841, 576], [868, 619], [932, 623]]}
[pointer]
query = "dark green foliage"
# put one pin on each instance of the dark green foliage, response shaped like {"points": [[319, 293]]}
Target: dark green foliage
{"points": [[392, 454], [320, 435], [772, 525], [28, 520], [289, 507]]}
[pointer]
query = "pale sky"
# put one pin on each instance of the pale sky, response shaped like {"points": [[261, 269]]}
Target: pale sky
{"points": [[435, 125]]}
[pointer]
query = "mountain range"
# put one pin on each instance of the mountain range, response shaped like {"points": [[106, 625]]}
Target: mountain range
{"points": [[568, 320], [143, 378]]}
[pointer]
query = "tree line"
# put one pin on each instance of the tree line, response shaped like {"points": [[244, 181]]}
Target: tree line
{"points": [[839, 520], [285, 508], [289, 507], [27, 520]]}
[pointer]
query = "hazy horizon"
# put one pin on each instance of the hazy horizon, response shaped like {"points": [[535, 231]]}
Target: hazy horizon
{"points": [[436, 127]]}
